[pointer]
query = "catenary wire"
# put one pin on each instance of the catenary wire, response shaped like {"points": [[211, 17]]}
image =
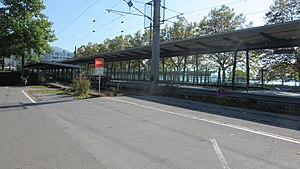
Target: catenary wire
{"points": [[77, 17], [71, 14], [73, 36]]}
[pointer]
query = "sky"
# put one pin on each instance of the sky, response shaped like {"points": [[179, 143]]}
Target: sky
{"points": [[78, 22]]}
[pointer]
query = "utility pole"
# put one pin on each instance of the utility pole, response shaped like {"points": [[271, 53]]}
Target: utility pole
{"points": [[154, 71]]}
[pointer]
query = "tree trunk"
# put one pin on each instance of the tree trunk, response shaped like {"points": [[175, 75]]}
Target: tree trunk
{"points": [[3, 62], [23, 69], [197, 69], [219, 76], [223, 74]]}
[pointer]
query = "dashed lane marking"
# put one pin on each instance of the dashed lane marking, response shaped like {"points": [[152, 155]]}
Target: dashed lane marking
{"points": [[219, 154]]}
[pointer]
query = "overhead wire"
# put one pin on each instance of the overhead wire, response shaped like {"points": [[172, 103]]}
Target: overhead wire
{"points": [[71, 14], [77, 17], [168, 20], [103, 26], [197, 10], [126, 20], [112, 27], [72, 37], [202, 9], [123, 31], [256, 12]]}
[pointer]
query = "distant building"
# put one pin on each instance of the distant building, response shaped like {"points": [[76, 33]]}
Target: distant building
{"points": [[57, 55], [9, 63]]}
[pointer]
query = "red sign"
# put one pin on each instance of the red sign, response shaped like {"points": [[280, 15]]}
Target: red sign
{"points": [[99, 62], [221, 92]]}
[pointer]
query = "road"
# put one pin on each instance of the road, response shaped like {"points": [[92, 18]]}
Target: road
{"points": [[142, 132]]}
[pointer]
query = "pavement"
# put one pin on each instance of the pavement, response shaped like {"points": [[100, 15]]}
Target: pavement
{"points": [[141, 132]]}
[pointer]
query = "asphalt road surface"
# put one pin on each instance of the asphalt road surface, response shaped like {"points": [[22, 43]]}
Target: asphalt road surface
{"points": [[141, 133]]}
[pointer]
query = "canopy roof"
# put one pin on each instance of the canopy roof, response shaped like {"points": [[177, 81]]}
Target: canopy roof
{"points": [[52, 65], [264, 37]]}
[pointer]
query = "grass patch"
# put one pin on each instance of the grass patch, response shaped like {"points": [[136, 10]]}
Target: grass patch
{"points": [[84, 96], [38, 87], [48, 91], [51, 92]]}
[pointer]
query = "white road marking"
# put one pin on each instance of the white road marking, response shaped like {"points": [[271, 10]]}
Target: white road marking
{"points": [[28, 97], [219, 154], [272, 135]]}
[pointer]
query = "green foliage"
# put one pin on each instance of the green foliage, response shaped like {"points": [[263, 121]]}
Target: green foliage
{"points": [[283, 11], [279, 71], [220, 20], [118, 90], [25, 29], [81, 86], [282, 65]]}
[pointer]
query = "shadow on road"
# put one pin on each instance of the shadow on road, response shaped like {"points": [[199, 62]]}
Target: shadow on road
{"points": [[23, 106], [269, 118]]}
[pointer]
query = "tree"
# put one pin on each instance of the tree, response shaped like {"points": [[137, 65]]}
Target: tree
{"points": [[220, 20], [179, 30], [27, 30], [283, 11], [90, 49]]}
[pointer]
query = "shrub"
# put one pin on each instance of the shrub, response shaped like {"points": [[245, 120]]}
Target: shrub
{"points": [[169, 90], [81, 86], [118, 90]]}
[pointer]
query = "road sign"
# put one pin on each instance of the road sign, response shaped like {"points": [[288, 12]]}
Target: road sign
{"points": [[99, 71], [99, 62], [221, 92]]}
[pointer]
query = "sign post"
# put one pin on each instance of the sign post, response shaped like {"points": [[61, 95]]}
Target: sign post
{"points": [[99, 64], [221, 92]]}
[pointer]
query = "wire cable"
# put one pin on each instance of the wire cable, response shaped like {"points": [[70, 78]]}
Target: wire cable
{"points": [[72, 37], [72, 12], [202, 9], [78, 17]]}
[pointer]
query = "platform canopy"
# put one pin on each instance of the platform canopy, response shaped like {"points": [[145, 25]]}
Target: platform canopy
{"points": [[265, 37], [52, 65]]}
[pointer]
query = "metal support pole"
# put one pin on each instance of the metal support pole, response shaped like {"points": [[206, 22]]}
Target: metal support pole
{"points": [[154, 72], [205, 76], [150, 43], [58, 78], [247, 69], [163, 69], [139, 71], [128, 70], [121, 67], [62, 74], [197, 69], [99, 84], [262, 78], [72, 74], [194, 76], [150, 31], [111, 68], [233, 70], [184, 69]]}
